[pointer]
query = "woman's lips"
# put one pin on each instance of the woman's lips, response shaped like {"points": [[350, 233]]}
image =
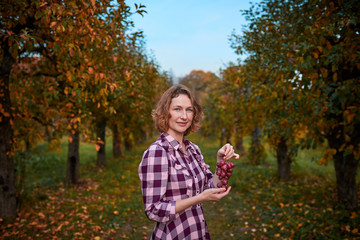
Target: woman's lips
{"points": [[182, 124]]}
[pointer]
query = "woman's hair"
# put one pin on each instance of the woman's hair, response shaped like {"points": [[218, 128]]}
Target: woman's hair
{"points": [[161, 113]]}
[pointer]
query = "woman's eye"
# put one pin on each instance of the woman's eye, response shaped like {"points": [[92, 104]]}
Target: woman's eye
{"points": [[176, 109], [189, 110]]}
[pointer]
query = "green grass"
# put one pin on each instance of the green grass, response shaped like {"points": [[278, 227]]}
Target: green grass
{"points": [[107, 204]]}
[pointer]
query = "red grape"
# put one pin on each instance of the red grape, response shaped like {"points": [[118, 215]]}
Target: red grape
{"points": [[229, 165], [224, 169]]}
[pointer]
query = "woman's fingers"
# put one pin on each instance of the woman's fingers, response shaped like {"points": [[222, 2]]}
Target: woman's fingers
{"points": [[227, 151], [215, 194], [224, 193], [221, 191]]}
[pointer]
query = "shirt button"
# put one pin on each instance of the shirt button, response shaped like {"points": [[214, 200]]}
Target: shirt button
{"points": [[195, 176]]}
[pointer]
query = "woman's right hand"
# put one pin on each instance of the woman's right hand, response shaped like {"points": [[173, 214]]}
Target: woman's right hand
{"points": [[214, 194], [226, 152]]}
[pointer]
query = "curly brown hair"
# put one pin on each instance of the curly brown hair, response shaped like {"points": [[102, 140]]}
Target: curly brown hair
{"points": [[161, 113]]}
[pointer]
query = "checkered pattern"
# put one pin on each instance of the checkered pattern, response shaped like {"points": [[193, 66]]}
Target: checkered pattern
{"points": [[168, 175]]}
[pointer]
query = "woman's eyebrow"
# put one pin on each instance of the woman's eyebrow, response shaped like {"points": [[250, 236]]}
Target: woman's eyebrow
{"points": [[183, 106]]}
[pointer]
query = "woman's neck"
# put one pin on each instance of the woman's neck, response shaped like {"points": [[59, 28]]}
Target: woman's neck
{"points": [[177, 136]]}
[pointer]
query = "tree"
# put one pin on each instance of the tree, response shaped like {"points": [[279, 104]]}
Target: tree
{"points": [[20, 25], [208, 89], [308, 48], [329, 64], [61, 38], [247, 113], [199, 82], [138, 84]]}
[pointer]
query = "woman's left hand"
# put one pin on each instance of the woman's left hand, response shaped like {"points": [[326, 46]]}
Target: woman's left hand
{"points": [[226, 152]]}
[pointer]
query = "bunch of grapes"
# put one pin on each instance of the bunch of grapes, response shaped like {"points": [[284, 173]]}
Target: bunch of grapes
{"points": [[224, 170]]}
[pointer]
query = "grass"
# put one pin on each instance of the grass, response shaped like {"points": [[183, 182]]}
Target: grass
{"points": [[107, 204]]}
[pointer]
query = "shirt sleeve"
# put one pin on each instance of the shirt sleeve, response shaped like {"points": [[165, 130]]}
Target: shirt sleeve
{"points": [[153, 174]]}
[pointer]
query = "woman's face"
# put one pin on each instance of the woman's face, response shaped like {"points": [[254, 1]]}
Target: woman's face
{"points": [[181, 115]]}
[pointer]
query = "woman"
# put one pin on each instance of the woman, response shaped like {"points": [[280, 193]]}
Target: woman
{"points": [[174, 177]]}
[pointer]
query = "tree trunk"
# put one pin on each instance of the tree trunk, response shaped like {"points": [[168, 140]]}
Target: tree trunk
{"points": [[48, 134], [239, 143], [256, 150], [283, 160], [142, 137], [7, 168], [117, 142], [128, 143], [128, 139], [228, 135], [346, 166], [101, 155], [73, 161], [222, 137]]}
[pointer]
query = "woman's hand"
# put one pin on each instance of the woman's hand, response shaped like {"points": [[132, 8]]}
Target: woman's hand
{"points": [[211, 194], [214, 194], [226, 152]]}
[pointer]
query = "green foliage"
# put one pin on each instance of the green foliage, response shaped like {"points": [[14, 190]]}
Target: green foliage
{"points": [[44, 167], [37, 169]]}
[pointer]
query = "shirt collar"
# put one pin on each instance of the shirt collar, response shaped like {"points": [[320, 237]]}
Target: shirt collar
{"points": [[169, 141], [174, 144]]}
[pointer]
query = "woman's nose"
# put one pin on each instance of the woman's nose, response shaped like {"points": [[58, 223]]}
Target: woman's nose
{"points": [[184, 114]]}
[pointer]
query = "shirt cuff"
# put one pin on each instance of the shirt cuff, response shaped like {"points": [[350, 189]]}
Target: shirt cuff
{"points": [[211, 184], [171, 210]]}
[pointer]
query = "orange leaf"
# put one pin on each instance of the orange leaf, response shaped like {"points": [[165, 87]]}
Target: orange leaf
{"points": [[328, 44], [41, 215], [97, 146]]}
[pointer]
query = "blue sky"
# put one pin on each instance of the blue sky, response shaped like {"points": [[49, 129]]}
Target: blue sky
{"points": [[185, 35]]}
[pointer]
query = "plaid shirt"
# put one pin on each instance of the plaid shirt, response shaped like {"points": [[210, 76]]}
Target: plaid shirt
{"points": [[168, 175]]}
